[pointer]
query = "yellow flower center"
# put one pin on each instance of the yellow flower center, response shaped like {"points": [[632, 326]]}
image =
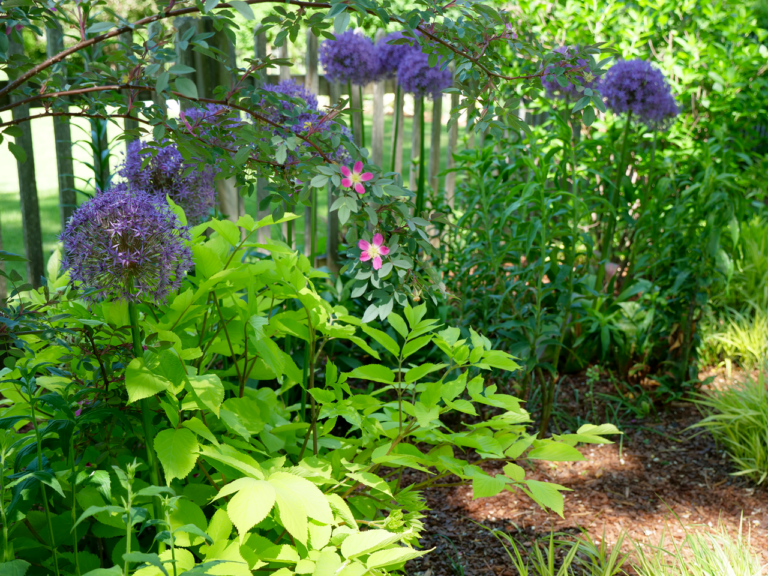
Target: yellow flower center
{"points": [[356, 178], [373, 251]]}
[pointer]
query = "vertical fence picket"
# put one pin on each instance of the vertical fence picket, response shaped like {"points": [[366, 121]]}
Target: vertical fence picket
{"points": [[377, 129], [30, 206], [453, 140], [62, 133], [260, 53], [283, 52], [311, 83], [434, 149], [332, 238], [126, 38]]}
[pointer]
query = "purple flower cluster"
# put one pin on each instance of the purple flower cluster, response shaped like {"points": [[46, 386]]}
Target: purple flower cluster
{"points": [[634, 86], [311, 120], [127, 245], [351, 58], [168, 173], [417, 77], [391, 55], [568, 92], [286, 110]]}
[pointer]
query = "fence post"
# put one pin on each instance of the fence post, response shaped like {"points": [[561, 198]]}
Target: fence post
{"points": [[453, 140], [434, 148], [415, 141], [282, 52], [63, 135], [377, 131], [129, 123], [260, 77], [30, 207], [311, 83], [332, 239]]}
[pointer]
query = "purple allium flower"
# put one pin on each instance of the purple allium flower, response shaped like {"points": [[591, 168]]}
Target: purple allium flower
{"points": [[165, 174], [350, 58], [127, 245], [568, 92], [390, 55], [417, 77], [286, 110], [211, 122], [637, 87]]}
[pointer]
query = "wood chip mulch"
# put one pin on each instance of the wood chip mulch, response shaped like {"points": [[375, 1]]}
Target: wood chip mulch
{"points": [[661, 476]]}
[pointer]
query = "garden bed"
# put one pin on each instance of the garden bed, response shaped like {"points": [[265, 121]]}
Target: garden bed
{"points": [[659, 471]]}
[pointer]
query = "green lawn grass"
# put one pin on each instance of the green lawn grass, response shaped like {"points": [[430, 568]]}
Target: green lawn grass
{"points": [[47, 183]]}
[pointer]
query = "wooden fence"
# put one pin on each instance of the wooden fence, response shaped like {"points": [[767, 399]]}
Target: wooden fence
{"points": [[210, 73]]}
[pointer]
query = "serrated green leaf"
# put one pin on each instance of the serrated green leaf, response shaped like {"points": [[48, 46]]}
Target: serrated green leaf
{"points": [[177, 452]]}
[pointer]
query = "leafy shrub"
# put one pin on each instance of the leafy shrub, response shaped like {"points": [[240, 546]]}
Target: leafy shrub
{"points": [[738, 419], [272, 457]]}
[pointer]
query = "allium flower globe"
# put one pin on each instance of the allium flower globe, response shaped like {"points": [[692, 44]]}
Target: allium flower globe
{"points": [[417, 77], [166, 173], [391, 55], [637, 87], [568, 92], [351, 57], [126, 245]]}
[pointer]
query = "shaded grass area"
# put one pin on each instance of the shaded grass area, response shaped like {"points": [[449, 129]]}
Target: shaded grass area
{"points": [[47, 183]]}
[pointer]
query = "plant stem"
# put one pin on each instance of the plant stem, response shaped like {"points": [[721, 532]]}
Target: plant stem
{"points": [[396, 128], [42, 485], [362, 117], [6, 550], [605, 253], [146, 413], [422, 174], [73, 480]]}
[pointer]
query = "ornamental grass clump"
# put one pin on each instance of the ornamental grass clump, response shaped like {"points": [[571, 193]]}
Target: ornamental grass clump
{"points": [[570, 91], [636, 88], [124, 244]]}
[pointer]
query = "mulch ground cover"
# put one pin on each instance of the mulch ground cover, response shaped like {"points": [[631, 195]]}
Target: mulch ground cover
{"points": [[662, 475]]}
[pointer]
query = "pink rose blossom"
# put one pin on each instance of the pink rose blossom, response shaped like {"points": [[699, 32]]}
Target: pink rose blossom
{"points": [[355, 177], [373, 251]]}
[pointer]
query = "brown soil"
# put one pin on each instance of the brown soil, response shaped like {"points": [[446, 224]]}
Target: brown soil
{"points": [[659, 471]]}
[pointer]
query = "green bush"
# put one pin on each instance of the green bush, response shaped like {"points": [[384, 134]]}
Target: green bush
{"points": [[738, 419], [270, 456]]}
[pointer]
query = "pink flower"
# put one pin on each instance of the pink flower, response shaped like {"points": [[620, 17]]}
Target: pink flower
{"points": [[373, 251], [356, 177]]}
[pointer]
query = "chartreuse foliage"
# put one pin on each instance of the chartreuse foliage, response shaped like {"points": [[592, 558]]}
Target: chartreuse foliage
{"points": [[259, 474]]}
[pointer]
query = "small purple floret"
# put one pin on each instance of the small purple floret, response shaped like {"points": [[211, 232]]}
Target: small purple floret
{"points": [[127, 245]]}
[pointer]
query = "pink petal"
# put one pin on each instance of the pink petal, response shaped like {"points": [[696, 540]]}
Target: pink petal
{"points": [[346, 182], [364, 257], [359, 188], [378, 240], [376, 263], [358, 167], [366, 176], [346, 171], [363, 245], [383, 250]]}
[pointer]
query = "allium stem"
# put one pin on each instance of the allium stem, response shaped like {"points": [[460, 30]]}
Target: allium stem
{"points": [[421, 181], [607, 247], [397, 128], [362, 117], [146, 413]]}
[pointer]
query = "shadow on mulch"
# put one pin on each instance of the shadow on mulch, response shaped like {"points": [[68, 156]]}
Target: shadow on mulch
{"points": [[659, 473]]}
